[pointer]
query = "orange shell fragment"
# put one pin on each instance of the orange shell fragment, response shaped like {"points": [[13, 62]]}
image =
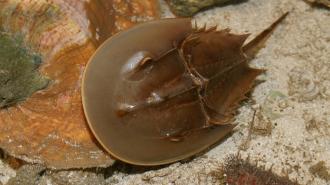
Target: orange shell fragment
{"points": [[50, 127]]}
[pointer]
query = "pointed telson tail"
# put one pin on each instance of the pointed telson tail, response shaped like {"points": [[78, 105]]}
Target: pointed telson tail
{"points": [[253, 47]]}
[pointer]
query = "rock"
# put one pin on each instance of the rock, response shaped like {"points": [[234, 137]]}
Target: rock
{"points": [[27, 175], [83, 177], [190, 7], [320, 2]]}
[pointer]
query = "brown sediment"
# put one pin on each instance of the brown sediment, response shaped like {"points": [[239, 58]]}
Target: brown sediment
{"points": [[50, 127]]}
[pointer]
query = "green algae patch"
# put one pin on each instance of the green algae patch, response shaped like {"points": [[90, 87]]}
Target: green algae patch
{"points": [[19, 75]]}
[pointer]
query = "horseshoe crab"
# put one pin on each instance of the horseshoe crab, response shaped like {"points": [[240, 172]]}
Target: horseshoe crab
{"points": [[164, 90], [48, 126]]}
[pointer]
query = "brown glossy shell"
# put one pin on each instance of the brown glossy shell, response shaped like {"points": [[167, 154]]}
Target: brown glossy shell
{"points": [[164, 91], [171, 130], [50, 126]]}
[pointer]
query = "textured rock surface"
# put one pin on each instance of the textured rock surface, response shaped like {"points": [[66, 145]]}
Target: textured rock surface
{"points": [[190, 7], [49, 127], [27, 175], [321, 2]]}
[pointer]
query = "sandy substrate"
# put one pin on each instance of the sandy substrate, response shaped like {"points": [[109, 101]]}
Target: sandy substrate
{"points": [[291, 132]]}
